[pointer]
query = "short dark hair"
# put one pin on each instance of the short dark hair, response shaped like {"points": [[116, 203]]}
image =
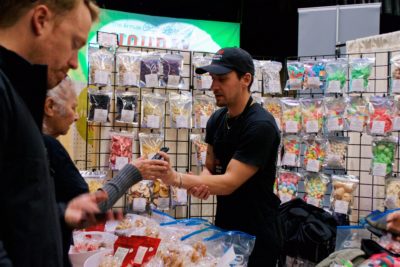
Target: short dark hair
{"points": [[241, 74]]}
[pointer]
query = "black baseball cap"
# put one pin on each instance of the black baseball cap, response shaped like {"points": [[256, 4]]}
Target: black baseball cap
{"points": [[229, 59]]}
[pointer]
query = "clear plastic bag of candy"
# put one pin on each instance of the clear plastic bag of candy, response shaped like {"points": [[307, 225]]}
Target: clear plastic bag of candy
{"points": [[272, 78], [312, 113], [180, 109], [94, 179], [312, 70], [292, 150], [127, 108], [161, 195], [380, 115], [139, 195], [99, 105], [171, 69], [336, 71], [342, 196], [314, 154], [204, 106], [179, 196], [315, 188], [392, 189], [202, 81], [150, 144], [296, 72], [200, 147], [101, 65], [150, 70], [336, 151], [291, 115], [395, 78], [92, 241], [360, 71], [128, 68], [334, 114], [255, 86], [273, 106], [356, 114], [383, 155], [153, 110], [396, 114], [120, 149], [288, 185]]}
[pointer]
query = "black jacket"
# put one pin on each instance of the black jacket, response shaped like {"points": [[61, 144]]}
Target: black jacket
{"points": [[29, 224]]}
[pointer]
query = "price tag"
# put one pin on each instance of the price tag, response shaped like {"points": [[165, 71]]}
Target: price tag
{"points": [[130, 79], [312, 126], [120, 162], [100, 115], [163, 203], [289, 159], [127, 115], [141, 252], [341, 206], [313, 201], [356, 124], [292, 127], [333, 158], [357, 85], [396, 124], [206, 82], [378, 127], [203, 157], [182, 121], [379, 169], [153, 121], [151, 80], [396, 86], [313, 165], [101, 77], [313, 82], [173, 80], [139, 204], [203, 121], [333, 124], [227, 258], [181, 195], [285, 198], [334, 87]]}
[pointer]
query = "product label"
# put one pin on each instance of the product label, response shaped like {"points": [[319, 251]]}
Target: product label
{"points": [[396, 124], [333, 158], [396, 86], [127, 115], [341, 206], [203, 121], [292, 126], [313, 82], [101, 77], [313, 165], [203, 155], [312, 126], [333, 124], [173, 80], [379, 169], [357, 85], [153, 121], [151, 80], [289, 159], [181, 195], [163, 203], [182, 121], [227, 258], [334, 87], [100, 115], [130, 79], [120, 162], [313, 201], [139, 204], [356, 124], [378, 127]]}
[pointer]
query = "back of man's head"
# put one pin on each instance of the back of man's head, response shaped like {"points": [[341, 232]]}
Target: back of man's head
{"points": [[12, 10]]}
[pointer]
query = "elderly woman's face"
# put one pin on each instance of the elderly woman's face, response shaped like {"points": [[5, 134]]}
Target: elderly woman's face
{"points": [[64, 116]]}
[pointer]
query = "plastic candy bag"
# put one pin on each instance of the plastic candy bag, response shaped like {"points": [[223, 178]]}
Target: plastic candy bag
{"points": [[314, 154], [343, 193], [272, 79], [315, 187], [380, 115], [273, 106], [153, 110], [200, 147], [396, 115], [94, 179], [179, 196], [383, 155], [392, 200], [288, 185], [336, 151], [395, 79], [150, 144], [204, 106], [127, 107], [334, 114], [172, 66], [255, 86], [356, 114], [101, 65], [150, 70], [291, 115], [292, 149], [336, 75], [202, 81], [360, 71], [99, 105], [161, 195], [180, 109], [312, 114], [312, 71], [296, 72], [139, 195], [128, 69], [120, 149]]}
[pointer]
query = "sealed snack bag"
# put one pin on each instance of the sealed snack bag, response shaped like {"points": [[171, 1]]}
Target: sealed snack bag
{"points": [[392, 186], [153, 110], [127, 107], [350, 236], [255, 86], [180, 109], [356, 114], [296, 72], [171, 69], [314, 154], [200, 147], [396, 114], [94, 179], [334, 114], [101, 65], [312, 70], [315, 187], [336, 71], [395, 79], [380, 115], [120, 149], [288, 185], [360, 71], [161, 195], [292, 149], [150, 70], [291, 115], [99, 105], [383, 155], [204, 106], [150, 144], [139, 195], [128, 68], [179, 196], [336, 151], [312, 114], [272, 78], [202, 81], [273, 106], [343, 187]]}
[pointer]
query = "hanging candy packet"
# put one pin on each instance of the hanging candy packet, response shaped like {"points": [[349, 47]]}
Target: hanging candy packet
{"points": [[334, 114], [291, 115], [128, 68], [120, 149], [336, 152], [380, 115], [395, 79], [315, 187], [139, 195], [204, 106], [101, 65], [153, 110], [392, 188], [127, 107], [296, 72], [396, 114], [312, 71], [356, 114], [312, 114], [383, 155], [94, 179], [179, 196], [200, 147], [314, 154], [336, 71], [288, 185], [255, 86], [150, 70], [202, 81], [150, 144], [360, 71], [272, 79], [273, 106], [292, 149], [171, 69], [99, 105], [343, 187], [161, 195], [180, 109]]}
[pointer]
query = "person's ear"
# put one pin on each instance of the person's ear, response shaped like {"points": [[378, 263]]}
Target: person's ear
{"points": [[246, 79], [49, 106], [42, 20]]}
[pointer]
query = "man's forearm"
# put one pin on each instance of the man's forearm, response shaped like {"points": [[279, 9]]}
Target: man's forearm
{"points": [[217, 184]]}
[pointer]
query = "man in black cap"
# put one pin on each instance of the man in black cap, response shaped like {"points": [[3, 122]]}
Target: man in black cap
{"points": [[243, 141]]}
